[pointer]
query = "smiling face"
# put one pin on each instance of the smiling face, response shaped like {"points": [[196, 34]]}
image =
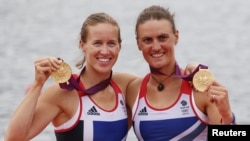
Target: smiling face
{"points": [[101, 47], [156, 39]]}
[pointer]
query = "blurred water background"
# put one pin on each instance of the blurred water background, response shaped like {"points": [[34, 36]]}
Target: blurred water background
{"points": [[212, 32]]}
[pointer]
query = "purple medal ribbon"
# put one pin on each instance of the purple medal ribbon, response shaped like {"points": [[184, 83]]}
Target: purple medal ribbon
{"points": [[188, 77], [73, 83]]}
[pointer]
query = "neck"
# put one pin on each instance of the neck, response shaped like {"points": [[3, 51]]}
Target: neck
{"points": [[165, 70], [92, 86], [161, 86], [92, 77]]}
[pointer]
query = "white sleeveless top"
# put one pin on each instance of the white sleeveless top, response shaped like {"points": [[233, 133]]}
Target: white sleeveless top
{"points": [[180, 121], [91, 122]]}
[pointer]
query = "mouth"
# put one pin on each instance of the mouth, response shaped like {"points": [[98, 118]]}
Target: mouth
{"points": [[104, 60], [157, 55]]}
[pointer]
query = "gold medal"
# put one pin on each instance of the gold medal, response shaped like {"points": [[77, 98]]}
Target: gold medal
{"points": [[62, 74], [202, 79]]}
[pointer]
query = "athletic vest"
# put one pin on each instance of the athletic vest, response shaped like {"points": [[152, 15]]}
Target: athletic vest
{"points": [[181, 121], [92, 123]]}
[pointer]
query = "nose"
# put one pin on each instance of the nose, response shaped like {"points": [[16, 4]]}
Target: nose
{"points": [[156, 45], [104, 49]]}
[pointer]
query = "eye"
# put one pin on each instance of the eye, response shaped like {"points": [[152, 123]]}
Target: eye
{"points": [[97, 44], [112, 44], [147, 40], [163, 37]]}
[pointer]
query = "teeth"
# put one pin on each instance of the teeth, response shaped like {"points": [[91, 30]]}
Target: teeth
{"points": [[157, 55], [103, 60]]}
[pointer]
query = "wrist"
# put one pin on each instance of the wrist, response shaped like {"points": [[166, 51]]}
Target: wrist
{"points": [[34, 87], [233, 120]]}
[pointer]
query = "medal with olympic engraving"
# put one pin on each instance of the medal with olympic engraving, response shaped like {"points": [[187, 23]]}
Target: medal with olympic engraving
{"points": [[202, 79], [62, 74]]}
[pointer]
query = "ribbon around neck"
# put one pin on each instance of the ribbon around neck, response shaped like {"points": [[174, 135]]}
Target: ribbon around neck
{"points": [[188, 77], [73, 83]]}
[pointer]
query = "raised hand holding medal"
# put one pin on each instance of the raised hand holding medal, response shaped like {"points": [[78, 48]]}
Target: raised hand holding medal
{"points": [[62, 74], [64, 77], [202, 79]]}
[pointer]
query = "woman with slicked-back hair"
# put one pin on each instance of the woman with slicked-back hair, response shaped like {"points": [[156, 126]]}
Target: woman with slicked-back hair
{"points": [[164, 106]]}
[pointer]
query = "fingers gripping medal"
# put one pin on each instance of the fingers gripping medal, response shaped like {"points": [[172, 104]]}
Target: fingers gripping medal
{"points": [[202, 79], [62, 74]]}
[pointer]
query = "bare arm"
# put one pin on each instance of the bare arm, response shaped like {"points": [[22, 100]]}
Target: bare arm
{"points": [[29, 118], [125, 81], [219, 102], [132, 92], [217, 105]]}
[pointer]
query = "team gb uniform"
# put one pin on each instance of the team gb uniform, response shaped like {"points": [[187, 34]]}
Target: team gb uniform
{"points": [[181, 121], [92, 123]]}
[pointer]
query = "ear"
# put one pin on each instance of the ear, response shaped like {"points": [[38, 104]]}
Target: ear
{"points": [[82, 46], [138, 44], [176, 36]]}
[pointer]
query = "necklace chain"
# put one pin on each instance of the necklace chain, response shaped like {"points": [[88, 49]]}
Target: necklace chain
{"points": [[160, 86]]}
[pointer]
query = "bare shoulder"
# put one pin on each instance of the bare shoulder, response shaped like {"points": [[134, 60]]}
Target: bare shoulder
{"points": [[132, 91], [134, 86], [56, 95], [124, 78], [124, 75], [136, 82]]}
